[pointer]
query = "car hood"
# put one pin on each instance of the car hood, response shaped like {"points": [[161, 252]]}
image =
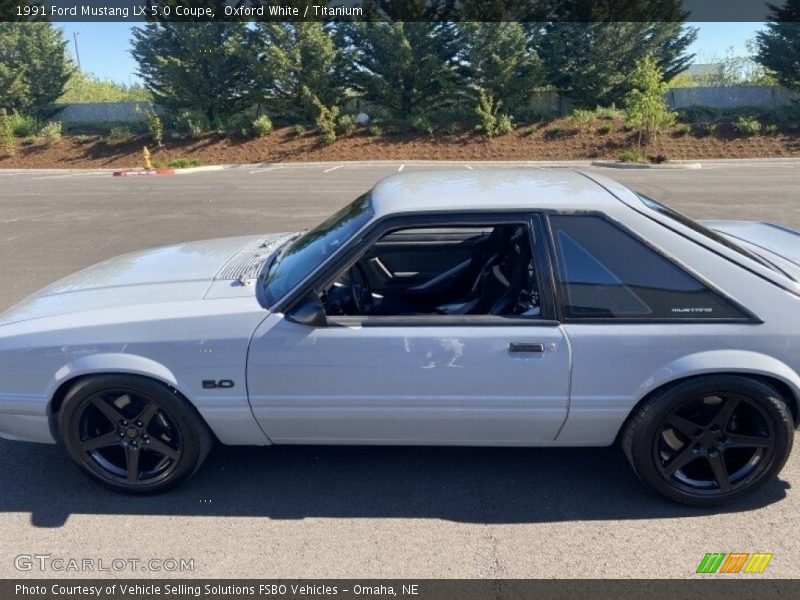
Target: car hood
{"points": [[167, 274], [778, 245]]}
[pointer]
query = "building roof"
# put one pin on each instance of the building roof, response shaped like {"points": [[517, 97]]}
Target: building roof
{"points": [[491, 189]]}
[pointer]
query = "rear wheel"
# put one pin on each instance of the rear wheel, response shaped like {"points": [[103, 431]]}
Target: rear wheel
{"points": [[711, 440], [132, 434]]}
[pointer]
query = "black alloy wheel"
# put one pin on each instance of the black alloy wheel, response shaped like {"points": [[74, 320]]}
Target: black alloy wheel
{"points": [[710, 440], [132, 434]]}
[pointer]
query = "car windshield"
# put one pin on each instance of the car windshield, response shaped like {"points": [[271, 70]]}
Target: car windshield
{"points": [[299, 258], [698, 228]]}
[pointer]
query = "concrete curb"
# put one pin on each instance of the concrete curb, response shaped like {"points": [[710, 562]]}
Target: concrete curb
{"points": [[622, 165]]}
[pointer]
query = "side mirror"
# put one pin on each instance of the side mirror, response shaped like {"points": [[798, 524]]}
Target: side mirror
{"points": [[309, 311]]}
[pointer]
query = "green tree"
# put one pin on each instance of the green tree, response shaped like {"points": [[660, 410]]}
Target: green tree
{"points": [[200, 67], [34, 66], [778, 46], [85, 87], [592, 62], [406, 68], [7, 134], [499, 62], [645, 108], [295, 56]]}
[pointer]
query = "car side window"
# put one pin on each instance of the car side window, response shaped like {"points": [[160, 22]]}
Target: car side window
{"points": [[606, 273], [449, 271]]}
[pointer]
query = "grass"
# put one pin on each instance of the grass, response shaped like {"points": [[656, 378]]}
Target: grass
{"points": [[184, 163]]}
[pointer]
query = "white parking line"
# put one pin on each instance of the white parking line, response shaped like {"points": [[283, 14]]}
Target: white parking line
{"points": [[401, 168], [469, 167], [268, 169], [333, 168]]}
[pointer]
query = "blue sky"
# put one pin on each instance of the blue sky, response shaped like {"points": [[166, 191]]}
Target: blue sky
{"points": [[105, 47]]}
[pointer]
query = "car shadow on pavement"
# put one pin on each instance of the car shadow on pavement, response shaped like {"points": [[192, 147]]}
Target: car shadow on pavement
{"points": [[480, 485]]}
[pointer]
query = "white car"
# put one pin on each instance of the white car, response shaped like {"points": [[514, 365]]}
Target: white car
{"points": [[519, 307]]}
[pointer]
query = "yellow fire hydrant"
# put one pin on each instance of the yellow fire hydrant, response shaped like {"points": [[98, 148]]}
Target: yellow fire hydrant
{"points": [[146, 156]]}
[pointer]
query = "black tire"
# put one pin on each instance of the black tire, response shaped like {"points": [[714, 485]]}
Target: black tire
{"points": [[132, 434], [711, 440]]}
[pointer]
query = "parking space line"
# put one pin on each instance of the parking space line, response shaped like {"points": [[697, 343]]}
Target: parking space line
{"points": [[469, 167], [401, 168], [267, 169], [333, 168]]}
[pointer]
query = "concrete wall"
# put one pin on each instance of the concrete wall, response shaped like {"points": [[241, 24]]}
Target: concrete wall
{"points": [[540, 102], [99, 112], [730, 97]]}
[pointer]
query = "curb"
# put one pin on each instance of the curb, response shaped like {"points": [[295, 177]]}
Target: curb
{"points": [[143, 172], [622, 165]]}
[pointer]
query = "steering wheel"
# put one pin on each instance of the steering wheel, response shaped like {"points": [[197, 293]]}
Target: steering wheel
{"points": [[360, 292]]}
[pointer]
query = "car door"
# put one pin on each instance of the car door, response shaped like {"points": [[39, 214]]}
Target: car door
{"points": [[434, 379]]}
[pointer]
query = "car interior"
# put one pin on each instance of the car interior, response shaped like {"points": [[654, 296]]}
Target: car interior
{"points": [[479, 270]]}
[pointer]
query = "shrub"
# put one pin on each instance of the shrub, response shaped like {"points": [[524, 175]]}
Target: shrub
{"points": [[771, 129], [30, 140], [582, 119], [504, 125], [118, 135], [375, 130], [83, 139], [7, 134], [747, 125], [183, 163], [683, 129], [261, 126], [299, 130], [23, 126], [609, 113], [452, 128], [605, 129], [710, 129], [347, 124], [191, 123], [154, 126], [629, 156], [326, 116], [51, 132], [554, 131], [422, 124]]}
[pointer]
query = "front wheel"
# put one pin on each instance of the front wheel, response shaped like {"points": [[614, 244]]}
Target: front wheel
{"points": [[132, 434], [710, 440]]}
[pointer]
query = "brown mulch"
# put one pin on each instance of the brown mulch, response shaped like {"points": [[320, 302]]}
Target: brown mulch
{"points": [[552, 141]]}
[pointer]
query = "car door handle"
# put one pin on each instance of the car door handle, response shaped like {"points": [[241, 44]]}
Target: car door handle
{"points": [[523, 347]]}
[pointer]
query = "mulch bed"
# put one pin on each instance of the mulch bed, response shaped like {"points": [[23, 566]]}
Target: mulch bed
{"points": [[552, 141]]}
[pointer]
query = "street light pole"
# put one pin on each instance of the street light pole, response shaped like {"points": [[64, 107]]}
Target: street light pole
{"points": [[77, 55]]}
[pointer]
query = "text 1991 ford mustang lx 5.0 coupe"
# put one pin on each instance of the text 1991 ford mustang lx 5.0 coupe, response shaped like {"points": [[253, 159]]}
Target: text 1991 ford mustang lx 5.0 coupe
{"points": [[518, 307]]}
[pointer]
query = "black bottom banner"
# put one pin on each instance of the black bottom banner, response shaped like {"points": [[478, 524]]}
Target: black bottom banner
{"points": [[712, 588]]}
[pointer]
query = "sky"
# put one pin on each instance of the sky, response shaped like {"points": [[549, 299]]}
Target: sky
{"points": [[104, 48]]}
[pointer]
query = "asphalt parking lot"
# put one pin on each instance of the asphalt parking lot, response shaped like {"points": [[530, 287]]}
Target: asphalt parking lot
{"points": [[358, 512]]}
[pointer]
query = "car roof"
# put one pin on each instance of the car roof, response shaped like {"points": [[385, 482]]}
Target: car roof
{"points": [[492, 189]]}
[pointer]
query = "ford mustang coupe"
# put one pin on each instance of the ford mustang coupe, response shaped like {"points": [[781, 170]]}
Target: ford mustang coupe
{"points": [[513, 307]]}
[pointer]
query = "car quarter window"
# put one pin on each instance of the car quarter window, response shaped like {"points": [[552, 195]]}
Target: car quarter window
{"points": [[604, 272]]}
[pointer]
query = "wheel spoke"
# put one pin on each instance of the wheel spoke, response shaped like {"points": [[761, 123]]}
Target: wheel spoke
{"points": [[746, 441], [102, 441], [725, 412], [147, 414], [681, 459], [720, 470], [160, 447], [109, 411], [685, 426], [132, 459]]}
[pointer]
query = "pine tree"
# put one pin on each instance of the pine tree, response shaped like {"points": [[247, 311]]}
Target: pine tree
{"points": [[294, 56], [34, 66], [778, 47], [498, 62], [406, 68], [592, 62], [201, 67]]}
